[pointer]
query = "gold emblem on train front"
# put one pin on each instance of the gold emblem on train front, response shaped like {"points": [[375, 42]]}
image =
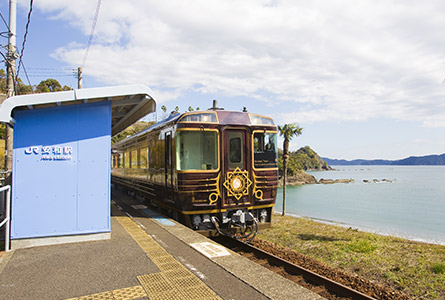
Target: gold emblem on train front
{"points": [[237, 183]]}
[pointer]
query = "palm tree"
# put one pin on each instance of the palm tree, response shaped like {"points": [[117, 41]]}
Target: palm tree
{"points": [[287, 131]]}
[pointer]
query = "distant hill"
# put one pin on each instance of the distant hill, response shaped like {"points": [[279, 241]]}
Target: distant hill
{"points": [[428, 160]]}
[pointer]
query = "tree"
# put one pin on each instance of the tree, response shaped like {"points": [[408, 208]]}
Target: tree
{"points": [[287, 131], [23, 89], [131, 130], [2, 81], [51, 85]]}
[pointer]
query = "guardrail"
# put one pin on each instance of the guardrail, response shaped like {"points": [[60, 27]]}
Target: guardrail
{"points": [[6, 190]]}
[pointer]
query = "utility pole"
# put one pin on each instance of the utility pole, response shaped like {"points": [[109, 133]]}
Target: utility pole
{"points": [[79, 77], [12, 56]]}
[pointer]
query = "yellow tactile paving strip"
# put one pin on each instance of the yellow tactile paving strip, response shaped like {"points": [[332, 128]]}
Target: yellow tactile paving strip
{"points": [[174, 282], [131, 293]]}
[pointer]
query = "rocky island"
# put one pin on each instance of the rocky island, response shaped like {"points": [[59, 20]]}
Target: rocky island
{"points": [[305, 159]]}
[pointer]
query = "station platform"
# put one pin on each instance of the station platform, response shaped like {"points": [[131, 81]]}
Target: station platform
{"points": [[147, 257]]}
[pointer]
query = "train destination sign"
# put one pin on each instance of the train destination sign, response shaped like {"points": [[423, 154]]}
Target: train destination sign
{"points": [[51, 153]]}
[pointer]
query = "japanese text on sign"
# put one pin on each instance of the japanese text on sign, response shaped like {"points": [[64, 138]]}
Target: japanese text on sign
{"points": [[51, 152]]}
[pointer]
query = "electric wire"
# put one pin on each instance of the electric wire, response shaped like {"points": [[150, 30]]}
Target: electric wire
{"points": [[51, 72], [24, 37], [93, 28], [26, 74], [4, 21], [6, 33]]}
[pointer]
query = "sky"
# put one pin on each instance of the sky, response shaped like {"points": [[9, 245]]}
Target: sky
{"points": [[363, 78]]}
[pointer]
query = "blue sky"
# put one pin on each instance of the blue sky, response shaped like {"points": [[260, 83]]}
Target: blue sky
{"points": [[363, 78]]}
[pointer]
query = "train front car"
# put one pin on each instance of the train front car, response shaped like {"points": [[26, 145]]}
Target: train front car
{"points": [[227, 172], [215, 171]]}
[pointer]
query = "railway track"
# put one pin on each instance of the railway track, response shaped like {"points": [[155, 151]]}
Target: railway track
{"points": [[317, 283]]}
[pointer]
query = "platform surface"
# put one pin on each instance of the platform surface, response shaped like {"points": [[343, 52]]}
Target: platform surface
{"points": [[148, 257]]}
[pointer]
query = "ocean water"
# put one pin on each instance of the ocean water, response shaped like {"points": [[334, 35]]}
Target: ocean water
{"points": [[409, 204]]}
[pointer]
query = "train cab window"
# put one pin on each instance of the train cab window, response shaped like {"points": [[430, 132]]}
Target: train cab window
{"points": [[235, 150], [196, 150], [265, 150], [143, 155], [207, 117]]}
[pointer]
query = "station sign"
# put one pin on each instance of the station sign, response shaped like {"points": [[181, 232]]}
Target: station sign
{"points": [[50, 153]]}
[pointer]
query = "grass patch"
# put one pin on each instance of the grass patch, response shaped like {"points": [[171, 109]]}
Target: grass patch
{"points": [[412, 267], [360, 246], [438, 268]]}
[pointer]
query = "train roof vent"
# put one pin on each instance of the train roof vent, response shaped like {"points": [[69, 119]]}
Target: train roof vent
{"points": [[215, 106]]}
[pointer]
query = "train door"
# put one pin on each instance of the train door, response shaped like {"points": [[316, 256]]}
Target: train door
{"points": [[168, 173], [236, 164]]}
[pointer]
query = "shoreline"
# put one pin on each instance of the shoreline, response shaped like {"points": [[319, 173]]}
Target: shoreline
{"points": [[364, 229]]}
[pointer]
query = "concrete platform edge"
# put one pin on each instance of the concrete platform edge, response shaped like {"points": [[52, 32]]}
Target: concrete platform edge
{"points": [[238, 268], [27, 243]]}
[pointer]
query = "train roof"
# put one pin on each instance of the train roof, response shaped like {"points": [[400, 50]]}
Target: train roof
{"points": [[210, 116]]}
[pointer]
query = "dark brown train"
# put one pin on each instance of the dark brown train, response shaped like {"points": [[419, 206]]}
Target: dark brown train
{"points": [[215, 171]]}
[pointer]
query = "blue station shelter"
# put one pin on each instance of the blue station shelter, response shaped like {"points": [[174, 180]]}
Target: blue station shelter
{"points": [[62, 160]]}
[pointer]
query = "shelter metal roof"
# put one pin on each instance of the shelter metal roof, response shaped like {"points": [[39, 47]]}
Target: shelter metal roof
{"points": [[129, 103]]}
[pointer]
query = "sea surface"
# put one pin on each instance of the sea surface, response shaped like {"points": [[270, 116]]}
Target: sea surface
{"points": [[404, 201]]}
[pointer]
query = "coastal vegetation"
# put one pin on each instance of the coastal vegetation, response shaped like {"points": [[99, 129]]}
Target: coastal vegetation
{"points": [[414, 268], [304, 159]]}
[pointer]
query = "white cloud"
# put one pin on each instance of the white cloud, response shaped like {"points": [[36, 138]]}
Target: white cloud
{"points": [[343, 60]]}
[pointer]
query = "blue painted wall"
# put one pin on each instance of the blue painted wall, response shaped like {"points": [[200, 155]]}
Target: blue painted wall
{"points": [[61, 171]]}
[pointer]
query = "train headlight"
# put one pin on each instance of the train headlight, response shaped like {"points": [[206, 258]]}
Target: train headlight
{"points": [[237, 184]]}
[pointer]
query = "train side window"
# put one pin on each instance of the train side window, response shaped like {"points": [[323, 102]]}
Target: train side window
{"points": [[143, 154], [120, 160], [127, 160], [196, 150], [134, 159]]}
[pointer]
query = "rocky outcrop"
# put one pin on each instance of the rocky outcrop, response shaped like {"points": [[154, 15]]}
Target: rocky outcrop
{"points": [[303, 178], [299, 178], [331, 181]]}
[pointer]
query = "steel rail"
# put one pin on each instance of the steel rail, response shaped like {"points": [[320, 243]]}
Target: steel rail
{"points": [[331, 285]]}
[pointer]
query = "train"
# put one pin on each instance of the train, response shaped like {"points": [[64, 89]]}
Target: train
{"points": [[215, 171]]}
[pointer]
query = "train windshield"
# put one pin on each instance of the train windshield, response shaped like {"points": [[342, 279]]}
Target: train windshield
{"points": [[265, 150], [196, 150]]}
